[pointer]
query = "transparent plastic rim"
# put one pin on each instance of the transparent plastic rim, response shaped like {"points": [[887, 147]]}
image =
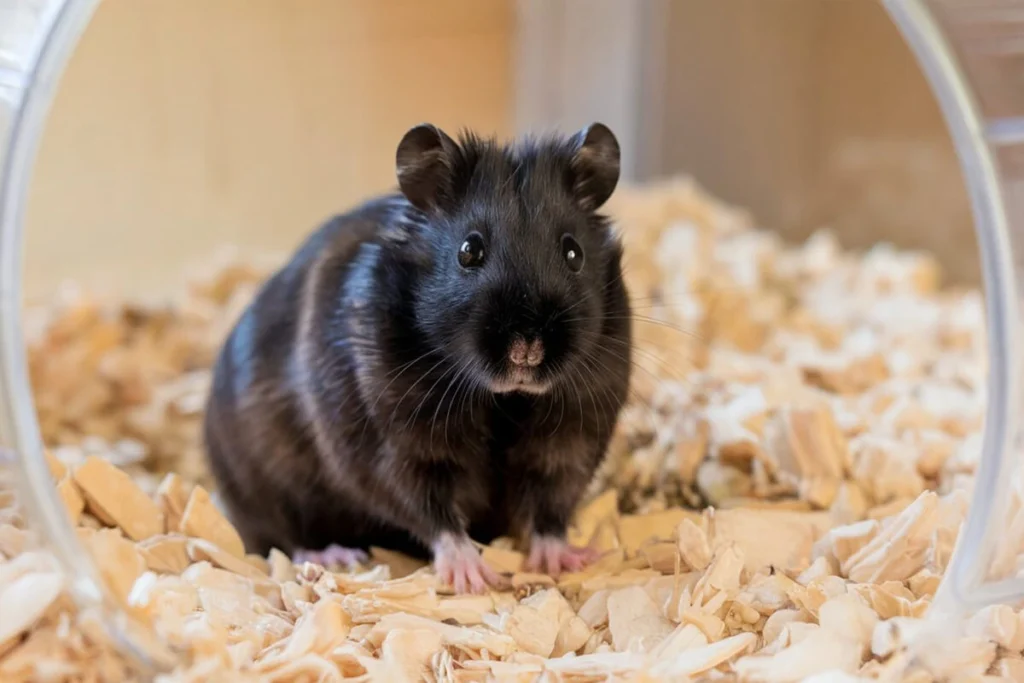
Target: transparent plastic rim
{"points": [[58, 31], [963, 585]]}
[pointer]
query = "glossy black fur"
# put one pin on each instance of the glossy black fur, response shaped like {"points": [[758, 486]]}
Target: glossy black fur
{"points": [[351, 403]]}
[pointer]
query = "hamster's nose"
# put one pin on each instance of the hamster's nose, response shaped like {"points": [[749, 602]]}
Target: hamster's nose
{"points": [[526, 354]]}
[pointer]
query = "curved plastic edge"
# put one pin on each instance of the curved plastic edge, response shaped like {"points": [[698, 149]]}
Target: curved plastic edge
{"points": [[964, 587], [58, 32]]}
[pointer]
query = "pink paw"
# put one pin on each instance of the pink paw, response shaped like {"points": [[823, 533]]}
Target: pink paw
{"points": [[554, 555], [458, 563], [330, 556]]}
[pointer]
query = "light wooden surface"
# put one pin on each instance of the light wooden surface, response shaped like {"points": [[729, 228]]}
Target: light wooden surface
{"points": [[182, 125], [186, 124], [814, 113]]}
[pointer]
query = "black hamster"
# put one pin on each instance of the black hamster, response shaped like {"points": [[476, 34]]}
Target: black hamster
{"points": [[444, 364]]}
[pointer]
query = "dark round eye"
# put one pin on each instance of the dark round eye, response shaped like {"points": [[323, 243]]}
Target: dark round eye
{"points": [[572, 252], [471, 253]]}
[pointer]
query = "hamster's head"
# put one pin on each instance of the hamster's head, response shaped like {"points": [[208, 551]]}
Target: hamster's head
{"points": [[523, 269]]}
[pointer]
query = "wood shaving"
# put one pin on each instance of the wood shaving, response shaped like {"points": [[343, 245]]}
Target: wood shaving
{"points": [[780, 500]]}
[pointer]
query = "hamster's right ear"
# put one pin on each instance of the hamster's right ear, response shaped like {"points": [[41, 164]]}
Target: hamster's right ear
{"points": [[424, 165]]}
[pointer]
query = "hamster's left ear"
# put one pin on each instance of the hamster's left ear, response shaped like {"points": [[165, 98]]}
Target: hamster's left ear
{"points": [[595, 165]]}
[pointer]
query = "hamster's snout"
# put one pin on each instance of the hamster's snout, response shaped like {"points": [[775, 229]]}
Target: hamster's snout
{"points": [[523, 339], [526, 354]]}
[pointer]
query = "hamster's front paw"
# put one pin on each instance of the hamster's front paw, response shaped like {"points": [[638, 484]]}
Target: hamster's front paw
{"points": [[554, 555], [331, 556], [459, 564]]}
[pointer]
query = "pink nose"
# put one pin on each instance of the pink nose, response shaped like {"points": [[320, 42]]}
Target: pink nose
{"points": [[526, 354]]}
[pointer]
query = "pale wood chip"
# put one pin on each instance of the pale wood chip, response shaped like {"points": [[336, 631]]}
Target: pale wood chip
{"points": [[13, 541], [166, 553], [173, 495], [201, 519], [997, 624], [113, 497], [399, 564], [282, 568], [534, 623], [464, 609], [523, 580], [623, 579], [850, 504], [771, 538], [843, 542], [119, 561], [470, 638], [783, 505], [1010, 669], [23, 602], [72, 498], [199, 550], [718, 482], [778, 621], [636, 530], [808, 445], [886, 468], [722, 575], [925, 583], [965, 659], [844, 373], [708, 624], [594, 612], [590, 516], [663, 557], [898, 551], [691, 446], [57, 469], [820, 568], [503, 561], [884, 602], [635, 622], [407, 653], [321, 629], [694, 547], [696, 661], [820, 652]]}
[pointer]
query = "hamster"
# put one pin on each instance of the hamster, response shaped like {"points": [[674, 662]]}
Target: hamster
{"points": [[436, 367]]}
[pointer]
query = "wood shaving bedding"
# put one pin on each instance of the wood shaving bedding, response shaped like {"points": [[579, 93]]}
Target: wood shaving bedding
{"points": [[780, 501]]}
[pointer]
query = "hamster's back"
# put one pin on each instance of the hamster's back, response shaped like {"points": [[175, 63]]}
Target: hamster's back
{"points": [[257, 437]]}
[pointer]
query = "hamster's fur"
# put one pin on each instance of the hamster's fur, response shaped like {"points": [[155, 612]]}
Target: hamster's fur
{"points": [[441, 364]]}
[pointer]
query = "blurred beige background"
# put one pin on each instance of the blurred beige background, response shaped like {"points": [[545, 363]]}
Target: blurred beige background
{"points": [[184, 125], [813, 112]]}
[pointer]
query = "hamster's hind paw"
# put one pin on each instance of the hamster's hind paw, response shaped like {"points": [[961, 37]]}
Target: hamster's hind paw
{"points": [[458, 563], [554, 555], [332, 555]]}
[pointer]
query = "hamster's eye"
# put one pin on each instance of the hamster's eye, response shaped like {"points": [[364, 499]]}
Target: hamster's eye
{"points": [[471, 253], [572, 252]]}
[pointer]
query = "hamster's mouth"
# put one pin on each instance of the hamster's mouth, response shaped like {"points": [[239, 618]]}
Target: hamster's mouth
{"points": [[520, 379]]}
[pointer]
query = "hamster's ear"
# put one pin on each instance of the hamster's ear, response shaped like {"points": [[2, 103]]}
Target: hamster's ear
{"points": [[595, 165], [424, 165]]}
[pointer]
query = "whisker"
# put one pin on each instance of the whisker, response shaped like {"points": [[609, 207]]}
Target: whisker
{"points": [[645, 353], [440, 401], [590, 389], [579, 400], [641, 319], [394, 409], [401, 371]]}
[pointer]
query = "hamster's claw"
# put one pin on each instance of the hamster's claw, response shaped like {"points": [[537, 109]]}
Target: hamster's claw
{"points": [[458, 563], [331, 556], [554, 555]]}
